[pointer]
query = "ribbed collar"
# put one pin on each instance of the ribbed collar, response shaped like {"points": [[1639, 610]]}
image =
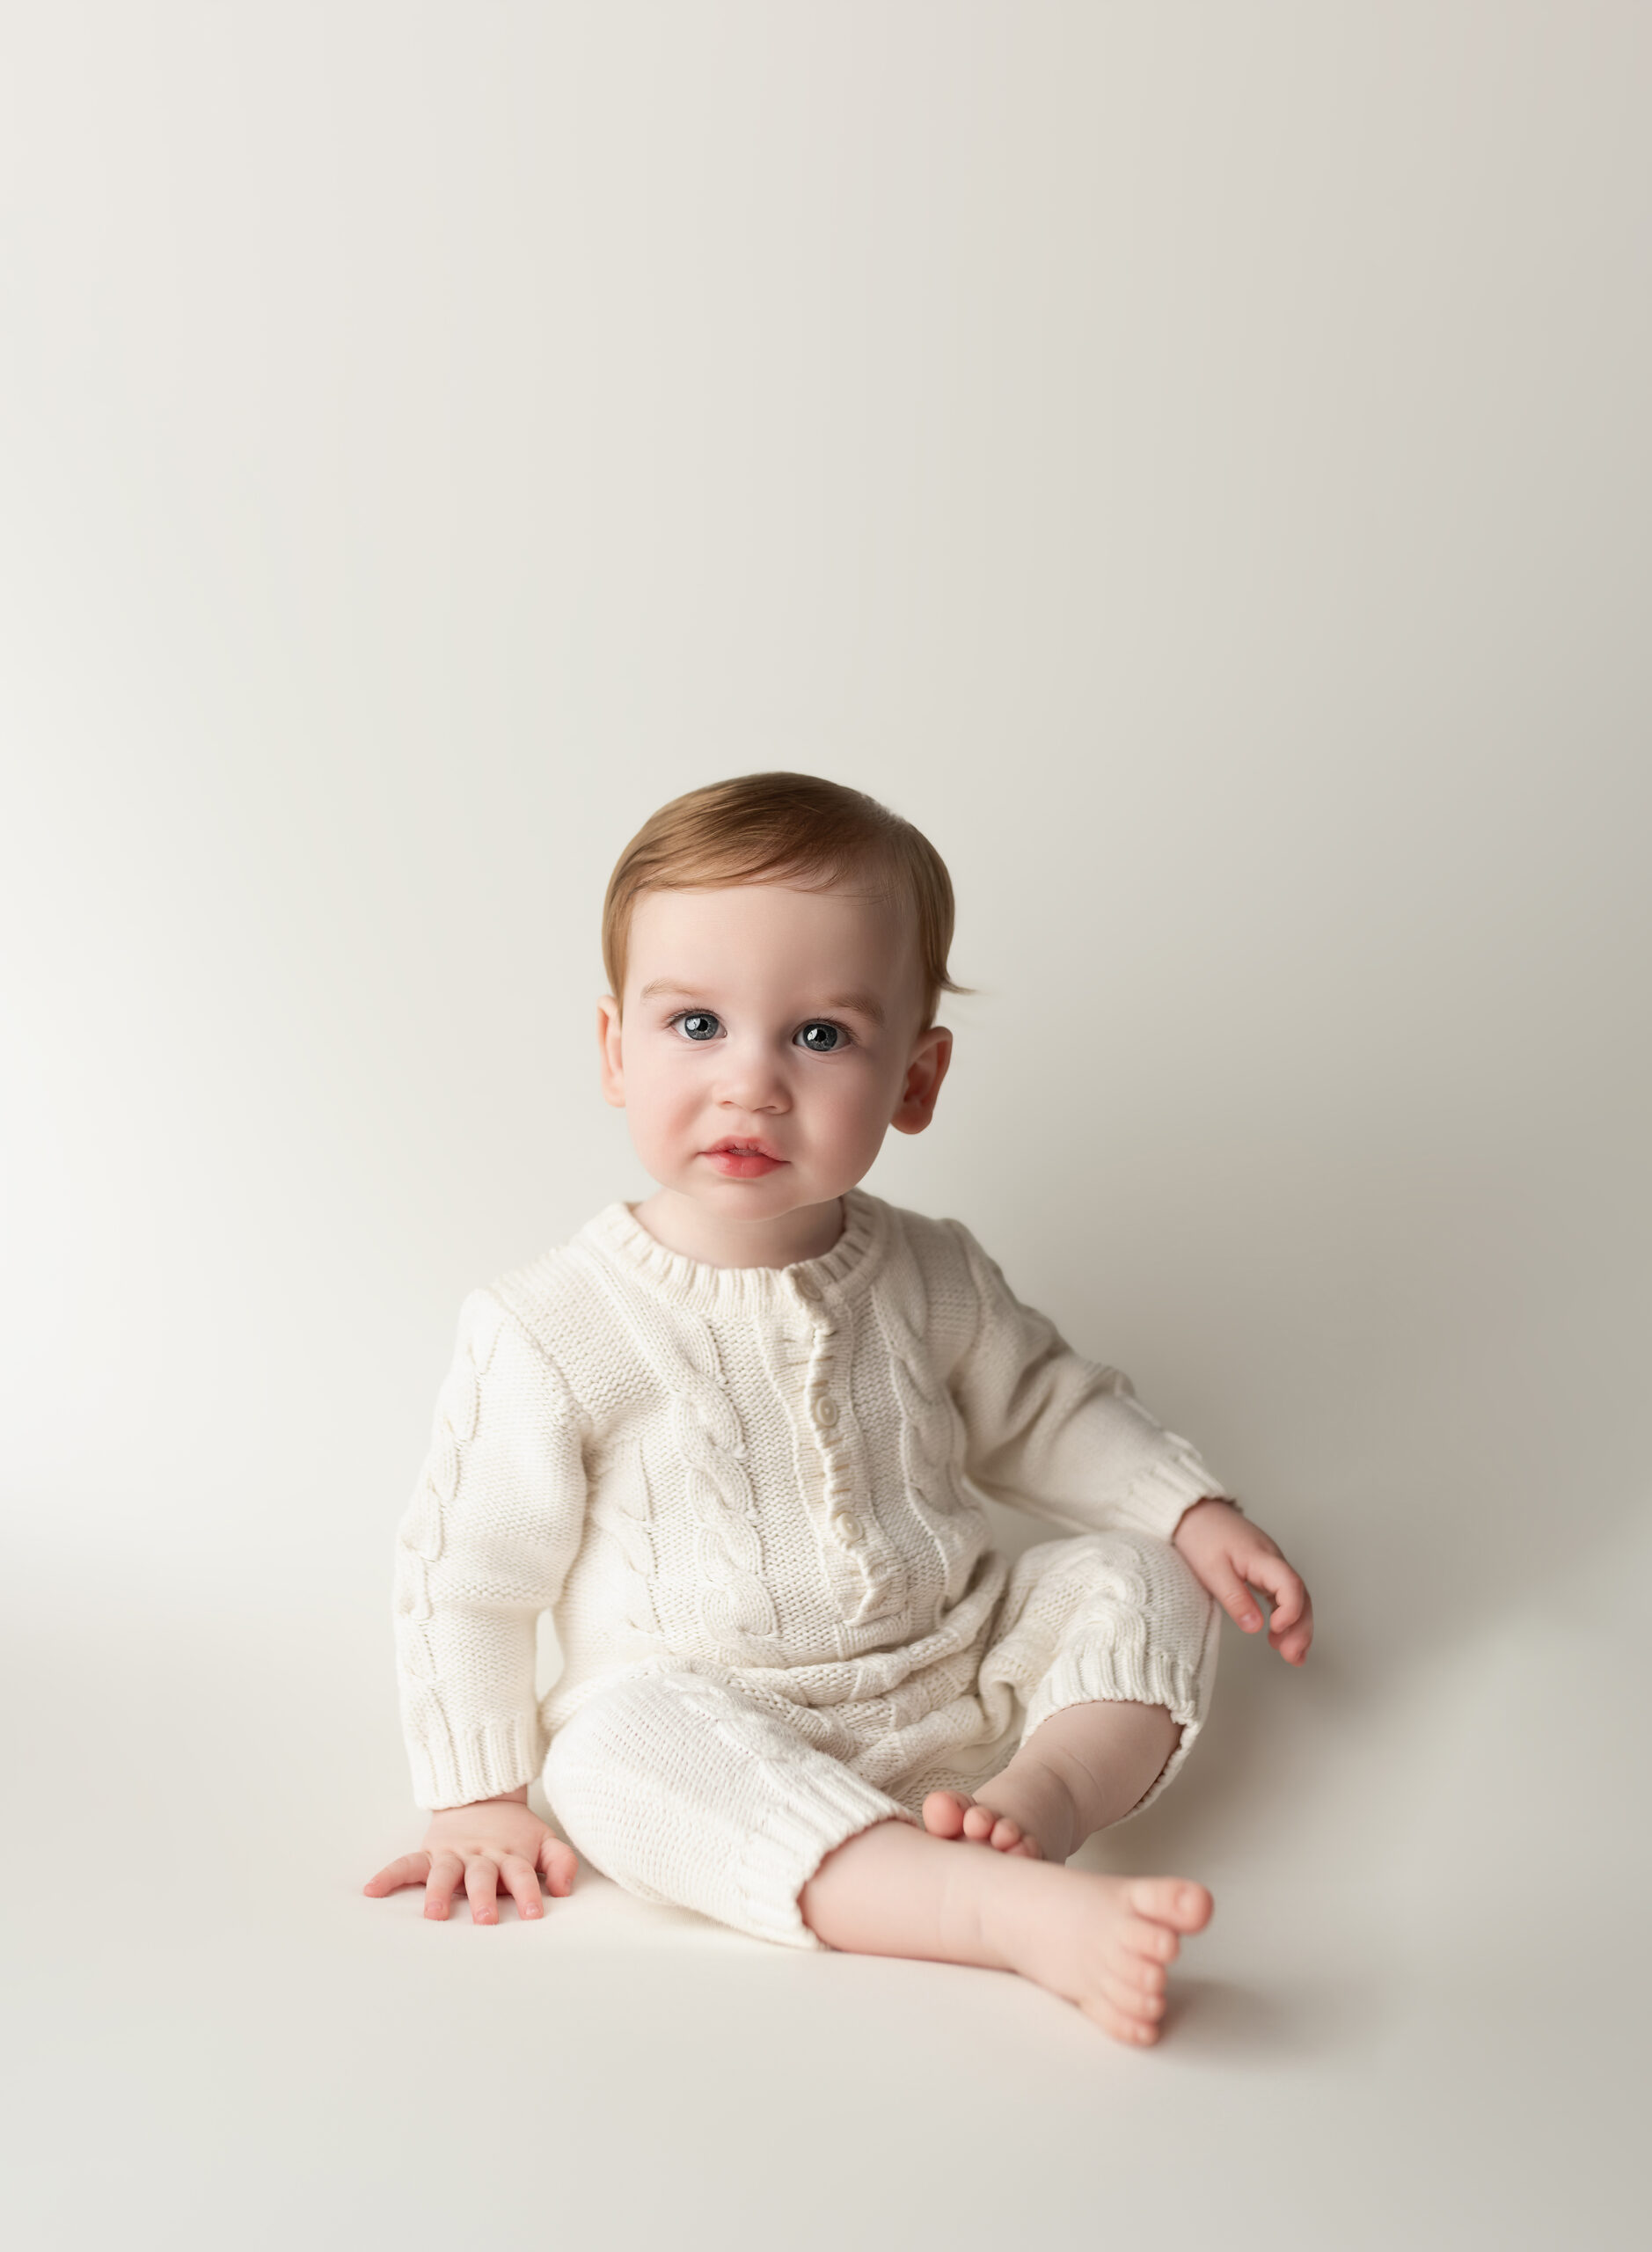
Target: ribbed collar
{"points": [[619, 1235]]}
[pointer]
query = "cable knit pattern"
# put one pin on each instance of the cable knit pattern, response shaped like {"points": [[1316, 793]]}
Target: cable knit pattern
{"points": [[930, 1430], [736, 1615], [749, 1498]]}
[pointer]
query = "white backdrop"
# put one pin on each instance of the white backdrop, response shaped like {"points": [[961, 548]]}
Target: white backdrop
{"points": [[1193, 461]]}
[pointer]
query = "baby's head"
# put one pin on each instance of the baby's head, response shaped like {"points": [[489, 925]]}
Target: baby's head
{"points": [[776, 947]]}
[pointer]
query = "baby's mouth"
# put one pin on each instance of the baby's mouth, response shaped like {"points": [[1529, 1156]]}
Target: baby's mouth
{"points": [[742, 1159]]}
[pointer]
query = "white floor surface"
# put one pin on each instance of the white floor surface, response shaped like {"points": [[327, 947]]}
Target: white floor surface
{"points": [[1418, 2013]]}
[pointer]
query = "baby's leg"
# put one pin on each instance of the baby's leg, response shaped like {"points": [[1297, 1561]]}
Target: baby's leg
{"points": [[1103, 1942], [684, 1790], [1110, 1642], [1083, 1768]]}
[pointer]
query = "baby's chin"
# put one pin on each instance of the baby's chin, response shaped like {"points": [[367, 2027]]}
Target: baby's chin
{"points": [[724, 1186], [769, 1194], [787, 1191]]}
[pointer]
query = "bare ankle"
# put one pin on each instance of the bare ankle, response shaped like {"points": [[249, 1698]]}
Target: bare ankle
{"points": [[966, 1923], [893, 1890]]}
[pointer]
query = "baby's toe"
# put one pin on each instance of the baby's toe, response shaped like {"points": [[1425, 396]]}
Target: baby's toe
{"points": [[1131, 2001], [979, 1821], [1146, 1941], [1138, 1973], [1123, 2025], [944, 1813], [1173, 1900]]}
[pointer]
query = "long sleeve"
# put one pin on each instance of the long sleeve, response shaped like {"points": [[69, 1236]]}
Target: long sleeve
{"points": [[483, 1547], [1058, 1436]]}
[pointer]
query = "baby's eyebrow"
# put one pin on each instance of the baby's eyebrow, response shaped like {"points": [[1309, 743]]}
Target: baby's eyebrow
{"points": [[862, 1005]]}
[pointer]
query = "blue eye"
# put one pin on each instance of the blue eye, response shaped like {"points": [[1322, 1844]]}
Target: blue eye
{"points": [[822, 1038], [698, 1024]]}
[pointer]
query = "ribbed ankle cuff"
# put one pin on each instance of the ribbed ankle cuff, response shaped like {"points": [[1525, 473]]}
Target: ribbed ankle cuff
{"points": [[1142, 1677], [822, 1811]]}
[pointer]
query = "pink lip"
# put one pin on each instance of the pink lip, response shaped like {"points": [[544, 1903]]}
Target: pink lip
{"points": [[743, 1163]]}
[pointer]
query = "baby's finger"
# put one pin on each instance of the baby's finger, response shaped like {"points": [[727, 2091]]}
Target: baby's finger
{"points": [[1232, 1594], [557, 1864], [1292, 1644], [523, 1880], [1282, 1585], [481, 1889], [1291, 1629], [447, 1872], [412, 1868]]}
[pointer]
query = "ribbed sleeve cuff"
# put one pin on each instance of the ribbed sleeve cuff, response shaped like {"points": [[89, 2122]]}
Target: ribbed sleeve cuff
{"points": [[1160, 1497], [482, 1764], [825, 1806]]}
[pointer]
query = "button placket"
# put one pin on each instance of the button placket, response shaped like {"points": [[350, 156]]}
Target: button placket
{"points": [[826, 1415], [852, 1545]]}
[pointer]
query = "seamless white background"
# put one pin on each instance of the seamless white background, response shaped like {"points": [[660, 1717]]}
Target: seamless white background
{"points": [[1192, 460]]}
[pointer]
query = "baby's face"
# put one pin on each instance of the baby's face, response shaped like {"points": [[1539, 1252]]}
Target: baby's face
{"points": [[786, 1021]]}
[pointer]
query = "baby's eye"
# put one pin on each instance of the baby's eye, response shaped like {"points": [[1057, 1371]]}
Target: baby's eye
{"points": [[697, 1024], [822, 1037]]}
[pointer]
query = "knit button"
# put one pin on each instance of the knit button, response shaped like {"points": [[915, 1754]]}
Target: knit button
{"points": [[847, 1526], [826, 1412], [804, 1288]]}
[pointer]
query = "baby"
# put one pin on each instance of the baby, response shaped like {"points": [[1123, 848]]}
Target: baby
{"points": [[734, 1439]]}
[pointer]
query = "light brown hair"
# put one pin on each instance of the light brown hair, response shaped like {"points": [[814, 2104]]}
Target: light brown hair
{"points": [[784, 828]]}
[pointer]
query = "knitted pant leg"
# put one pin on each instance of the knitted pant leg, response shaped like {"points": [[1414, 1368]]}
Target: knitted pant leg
{"points": [[681, 1789], [1107, 1615]]}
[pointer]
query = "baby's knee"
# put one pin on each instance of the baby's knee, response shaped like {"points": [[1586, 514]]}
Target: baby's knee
{"points": [[617, 1729], [1118, 1571], [682, 1788], [617, 1772]]}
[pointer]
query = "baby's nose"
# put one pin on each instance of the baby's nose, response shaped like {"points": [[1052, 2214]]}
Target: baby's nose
{"points": [[752, 1078]]}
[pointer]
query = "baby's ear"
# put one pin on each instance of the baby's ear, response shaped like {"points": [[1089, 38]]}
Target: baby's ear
{"points": [[924, 1075], [611, 1064]]}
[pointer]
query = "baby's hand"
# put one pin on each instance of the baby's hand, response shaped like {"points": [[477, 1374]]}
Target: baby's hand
{"points": [[477, 1845], [1230, 1556]]}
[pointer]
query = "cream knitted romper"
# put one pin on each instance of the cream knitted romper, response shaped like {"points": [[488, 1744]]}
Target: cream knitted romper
{"points": [[749, 1499]]}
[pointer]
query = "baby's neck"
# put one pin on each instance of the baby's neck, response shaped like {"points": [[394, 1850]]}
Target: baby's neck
{"points": [[720, 1240]]}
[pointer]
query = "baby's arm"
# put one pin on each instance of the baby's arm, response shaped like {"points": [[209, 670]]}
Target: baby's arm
{"points": [[483, 1549], [1066, 1439]]}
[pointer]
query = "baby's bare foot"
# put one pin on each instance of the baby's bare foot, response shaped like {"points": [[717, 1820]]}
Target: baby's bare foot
{"points": [[1104, 1942], [954, 1814]]}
